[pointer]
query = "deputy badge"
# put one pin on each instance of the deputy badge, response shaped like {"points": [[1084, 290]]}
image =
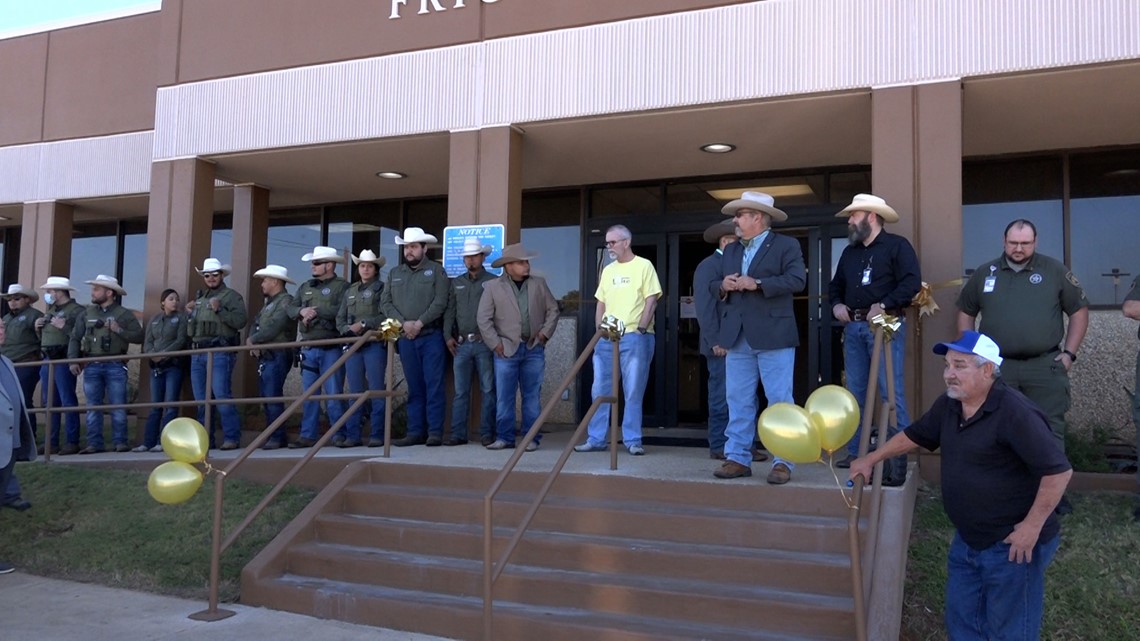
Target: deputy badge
{"points": [[428, 273], [367, 293], [20, 318], [326, 291], [1036, 279], [174, 321]]}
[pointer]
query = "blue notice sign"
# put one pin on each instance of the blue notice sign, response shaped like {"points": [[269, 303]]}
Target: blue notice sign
{"points": [[455, 237]]}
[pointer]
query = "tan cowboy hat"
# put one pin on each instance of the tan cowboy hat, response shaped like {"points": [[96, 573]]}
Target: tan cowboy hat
{"points": [[274, 271], [320, 252], [211, 265], [110, 282], [16, 289], [472, 246], [871, 203], [368, 256], [512, 254], [416, 235], [758, 201], [58, 282], [716, 232]]}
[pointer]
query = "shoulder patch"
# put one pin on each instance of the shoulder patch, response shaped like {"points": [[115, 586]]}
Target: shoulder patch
{"points": [[1072, 279]]}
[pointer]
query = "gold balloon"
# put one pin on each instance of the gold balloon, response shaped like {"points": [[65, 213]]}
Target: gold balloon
{"points": [[174, 482], [184, 439], [787, 432], [835, 414]]}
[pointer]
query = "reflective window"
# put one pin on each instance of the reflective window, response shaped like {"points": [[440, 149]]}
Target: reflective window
{"points": [[292, 234], [1105, 223], [94, 250], [550, 227], [711, 196], [625, 201], [844, 186], [374, 226], [994, 193], [431, 216], [133, 278]]}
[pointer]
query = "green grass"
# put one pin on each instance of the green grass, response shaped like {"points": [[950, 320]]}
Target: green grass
{"points": [[101, 526], [1092, 589]]}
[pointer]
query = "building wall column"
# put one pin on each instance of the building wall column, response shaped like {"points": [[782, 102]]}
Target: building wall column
{"points": [[45, 242], [485, 179], [180, 221], [250, 242]]}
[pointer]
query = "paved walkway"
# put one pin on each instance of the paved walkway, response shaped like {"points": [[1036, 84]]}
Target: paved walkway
{"points": [[37, 609]]}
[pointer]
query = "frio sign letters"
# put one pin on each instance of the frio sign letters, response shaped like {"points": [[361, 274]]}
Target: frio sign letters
{"points": [[429, 6]]}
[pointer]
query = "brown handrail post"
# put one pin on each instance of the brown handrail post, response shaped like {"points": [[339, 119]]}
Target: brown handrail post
{"points": [[209, 398], [887, 418], [389, 368], [615, 377], [47, 415]]}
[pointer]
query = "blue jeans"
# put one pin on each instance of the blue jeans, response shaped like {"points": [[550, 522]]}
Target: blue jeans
{"points": [[990, 597], [423, 360], [314, 362], [474, 355], [858, 343], [222, 390], [63, 395], [635, 354], [29, 377], [744, 367], [365, 370], [165, 387], [718, 404], [522, 372], [108, 377], [272, 368]]}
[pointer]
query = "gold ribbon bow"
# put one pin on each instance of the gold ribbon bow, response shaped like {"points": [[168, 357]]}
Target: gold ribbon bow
{"points": [[390, 330], [612, 327], [890, 325]]}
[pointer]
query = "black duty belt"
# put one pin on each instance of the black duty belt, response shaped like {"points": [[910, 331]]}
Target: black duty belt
{"points": [[1052, 352], [859, 315]]}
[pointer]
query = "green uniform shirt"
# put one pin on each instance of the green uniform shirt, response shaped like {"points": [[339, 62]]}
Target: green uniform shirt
{"points": [[463, 303], [273, 324], [1022, 311], [417, 294], [1134, 294], [227, 322], [53, 338], [325, 296], [361, 304], [21, 342], [166, 333], [92, 335]]}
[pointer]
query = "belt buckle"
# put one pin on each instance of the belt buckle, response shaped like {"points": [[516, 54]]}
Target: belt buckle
{"points": [[471, 338]]}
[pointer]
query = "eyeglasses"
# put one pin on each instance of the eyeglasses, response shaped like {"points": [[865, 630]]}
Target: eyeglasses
{"points": [[1027, 243], [318, 263], [212, 275], [611, 243]]}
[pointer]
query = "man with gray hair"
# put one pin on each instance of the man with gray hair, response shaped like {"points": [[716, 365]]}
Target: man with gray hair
{"points": [[1003, 475]]}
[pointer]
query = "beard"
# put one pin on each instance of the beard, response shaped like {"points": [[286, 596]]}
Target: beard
{"points": [[856, 234], [413, 263]]}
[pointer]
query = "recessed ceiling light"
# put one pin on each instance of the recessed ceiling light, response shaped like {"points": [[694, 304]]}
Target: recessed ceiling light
{"points": [[391, 175], [717, 148]]}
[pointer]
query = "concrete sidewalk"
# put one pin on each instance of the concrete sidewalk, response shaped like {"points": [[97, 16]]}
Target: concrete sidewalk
{"points": [[36, 608]]}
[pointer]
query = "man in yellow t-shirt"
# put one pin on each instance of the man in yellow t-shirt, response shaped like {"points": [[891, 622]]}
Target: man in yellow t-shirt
{"points": [[627, 289]]}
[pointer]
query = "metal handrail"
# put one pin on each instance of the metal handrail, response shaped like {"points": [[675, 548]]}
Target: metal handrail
{"points": [[491, 572], [860, 584]]}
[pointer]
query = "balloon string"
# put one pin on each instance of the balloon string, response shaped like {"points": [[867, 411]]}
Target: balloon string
{"points": [[211, 468], [831, 466]]}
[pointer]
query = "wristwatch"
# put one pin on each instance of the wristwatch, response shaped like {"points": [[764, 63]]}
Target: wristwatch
{"points": [[1072, 356], [642, 330]]}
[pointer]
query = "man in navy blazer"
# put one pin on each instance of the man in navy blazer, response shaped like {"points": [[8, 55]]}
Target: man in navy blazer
{"points": [[761, 271]]}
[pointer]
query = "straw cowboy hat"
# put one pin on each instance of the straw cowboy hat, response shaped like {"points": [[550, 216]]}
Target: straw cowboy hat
{"points": [[873, 204], [512, 254], [274, 271], [758, 201], [16, 289], [472, 246], [58, 282], [367, 256], [716, 232], [416, 235], [110, 282], [211, 265], [320, 252]]}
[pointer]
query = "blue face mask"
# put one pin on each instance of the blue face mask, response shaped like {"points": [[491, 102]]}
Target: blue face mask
{"points": [[49, 299]]}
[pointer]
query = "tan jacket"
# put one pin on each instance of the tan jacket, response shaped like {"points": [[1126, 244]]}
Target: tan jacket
{"points": [[499, 318]]}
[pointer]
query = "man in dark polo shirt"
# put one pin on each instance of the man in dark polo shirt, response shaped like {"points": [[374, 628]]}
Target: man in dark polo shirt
{"points": [[1003, 475], [878, 272], [1022, 297]]}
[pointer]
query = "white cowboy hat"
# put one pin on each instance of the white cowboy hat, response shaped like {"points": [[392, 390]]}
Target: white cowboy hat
{"points": [[716, 232], [871, 203], [513, 253], [367, 256], [110, 282], [472, 246], [58, 282], [755, 200], [211, 265], [321, 252], [16, 289], [416, 235], [274, 271]]}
